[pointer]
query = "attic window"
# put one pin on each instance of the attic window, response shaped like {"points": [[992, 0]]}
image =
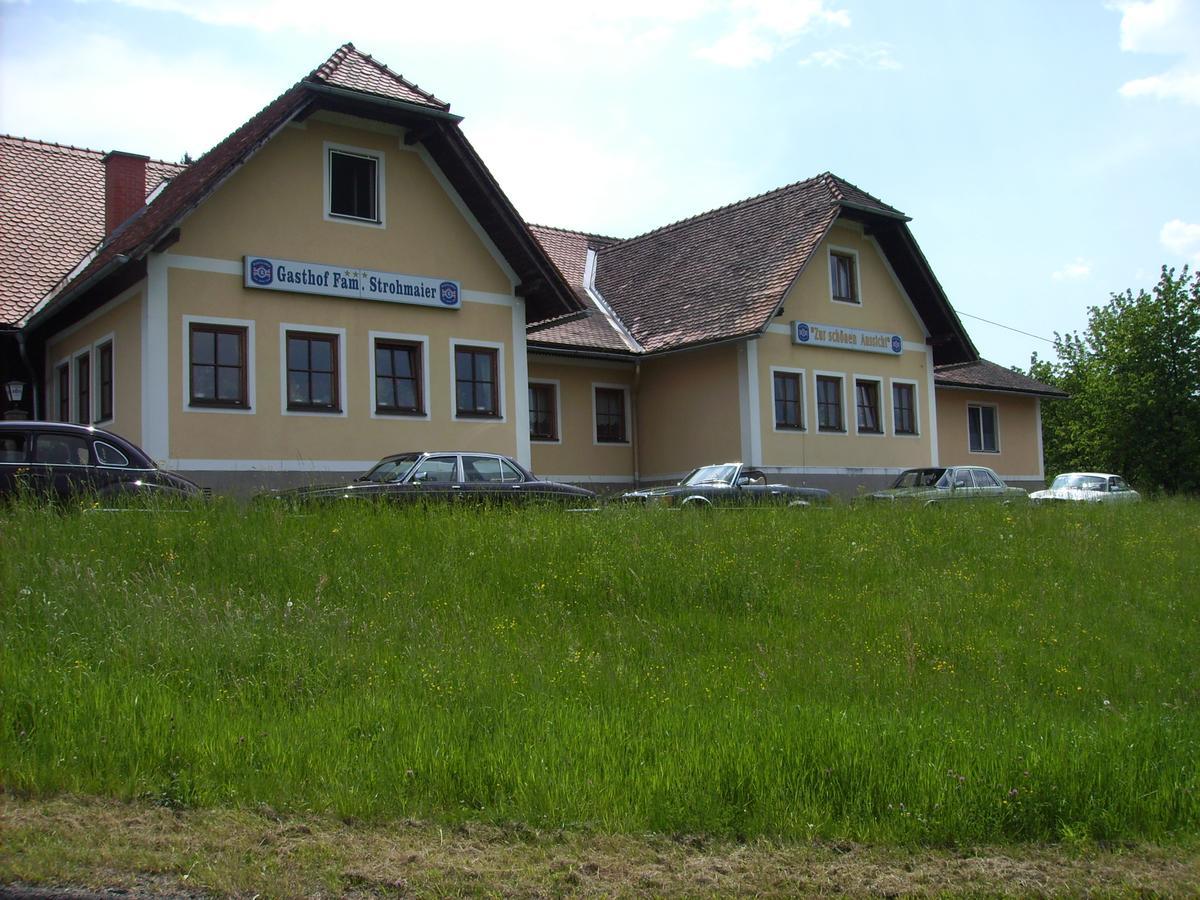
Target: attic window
{"points": [[843, 274], [354, 181]]}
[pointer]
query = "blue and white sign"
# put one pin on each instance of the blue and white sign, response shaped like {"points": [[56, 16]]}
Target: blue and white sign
{"points": [[811, 334], [266, 273]]}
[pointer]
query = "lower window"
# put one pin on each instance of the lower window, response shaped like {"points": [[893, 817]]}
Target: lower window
{"points": [[476, 382], [610, 416], [83, 389], [789, 400], [398, 389], [312, 372], [866, 393], [105, 357], [217, 366], [829, 404], [63, 377], [543, 406], [904, 415], [982, 430]]}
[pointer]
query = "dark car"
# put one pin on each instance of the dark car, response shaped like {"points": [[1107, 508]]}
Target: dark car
{"points": [[59, 460], [454, 475], [936, 484], [727, 484]]}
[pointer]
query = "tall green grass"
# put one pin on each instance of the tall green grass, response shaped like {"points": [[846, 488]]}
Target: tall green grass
{"points": [[884, 674]]}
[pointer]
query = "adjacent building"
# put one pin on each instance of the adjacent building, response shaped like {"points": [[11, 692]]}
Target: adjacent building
{"points": [[342, 278]]}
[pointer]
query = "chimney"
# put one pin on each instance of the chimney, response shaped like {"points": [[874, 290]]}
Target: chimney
{"points": [[124, 187]]}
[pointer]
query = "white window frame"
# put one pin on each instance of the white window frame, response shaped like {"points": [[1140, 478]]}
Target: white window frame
{"points": [[915, 385], [624, 389], [996, 416], [557, 410], [845, 430], [109, 338], [501, 386], [833, 250], [884, 416], [343, 399], [186, 356], [328, 148], [804, 416], [423, 340]]}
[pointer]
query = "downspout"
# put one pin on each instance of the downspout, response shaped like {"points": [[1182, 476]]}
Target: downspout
{"points": [[637, 411]]}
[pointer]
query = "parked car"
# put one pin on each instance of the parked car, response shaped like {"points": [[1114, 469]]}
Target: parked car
{"points": [[1087, 487], [451, 475], [953, 483], [59, 460], [727, 484]]}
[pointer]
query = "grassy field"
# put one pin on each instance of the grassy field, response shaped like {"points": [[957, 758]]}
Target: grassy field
{"points": [[879, 675]]}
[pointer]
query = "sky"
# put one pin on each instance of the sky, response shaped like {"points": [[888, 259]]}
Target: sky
{"points": [[1048, 151]]}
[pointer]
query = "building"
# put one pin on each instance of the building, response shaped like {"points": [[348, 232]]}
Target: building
{"points": [[342, 277]]}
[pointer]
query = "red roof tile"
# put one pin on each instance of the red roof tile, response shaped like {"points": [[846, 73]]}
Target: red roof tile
{"points": [[51, 215], [357, 71], [987, 375]]}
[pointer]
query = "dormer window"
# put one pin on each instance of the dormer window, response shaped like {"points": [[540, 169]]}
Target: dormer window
{"points": [[843, 274], [354, 185]]}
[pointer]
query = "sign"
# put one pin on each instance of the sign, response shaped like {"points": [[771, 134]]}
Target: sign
{"points": [[265, 273], [810, 334]]}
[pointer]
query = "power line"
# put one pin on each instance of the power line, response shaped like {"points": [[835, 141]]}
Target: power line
{"points": [[1002, 325]]}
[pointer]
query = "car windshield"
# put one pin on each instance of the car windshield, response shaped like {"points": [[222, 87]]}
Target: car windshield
{"points": [[919, 478], [394, 468], [1076, 482], [723, 474]]}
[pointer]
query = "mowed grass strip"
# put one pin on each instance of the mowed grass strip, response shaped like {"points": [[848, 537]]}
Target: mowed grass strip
{"points": [[864, 673]]}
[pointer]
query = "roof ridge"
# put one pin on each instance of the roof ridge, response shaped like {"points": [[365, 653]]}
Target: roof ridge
{"points": [[747, 201], [57, 146], [836, 181], [327, 68], [577, 233]]}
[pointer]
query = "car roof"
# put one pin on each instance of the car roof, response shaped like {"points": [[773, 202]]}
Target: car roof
{"points": [[1089, 474]]}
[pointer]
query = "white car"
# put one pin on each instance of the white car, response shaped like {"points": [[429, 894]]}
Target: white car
{"points": [[1088, 487]]}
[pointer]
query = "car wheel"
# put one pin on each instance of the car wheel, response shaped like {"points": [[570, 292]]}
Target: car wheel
{"points": [[797, 503], [697, 503]]}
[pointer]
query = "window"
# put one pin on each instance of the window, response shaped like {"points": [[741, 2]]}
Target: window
{"points": [[904, 416], [105, 378], [312, 372], [398, 388], [217, 366], [844, 278], [985, 479], [437, 470], [829, 403], [354, 185], [981, 428], [12, 448], [789, 400], [83, 388], [476, 382], [489, 470], [60, 450], [543, 411], [108, 455], [866, 394], [63, 379], [610, 416]]}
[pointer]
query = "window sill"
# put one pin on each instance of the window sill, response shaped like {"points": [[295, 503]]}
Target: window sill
{"points": [[494, 417], [831, 431], [847, 300], [401, 413], [319, 410]]}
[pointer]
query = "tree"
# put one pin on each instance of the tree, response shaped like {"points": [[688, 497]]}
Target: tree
{"points": [[1134, 384]]}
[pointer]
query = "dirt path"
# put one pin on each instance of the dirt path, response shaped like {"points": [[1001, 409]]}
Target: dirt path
{"points": [[93, 846]]}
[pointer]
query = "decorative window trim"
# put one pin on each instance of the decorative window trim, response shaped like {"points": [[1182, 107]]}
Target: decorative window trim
{"points": [[327, 149], [421, 340], [835, 250], [877, 380], [996, 420], [558, 422], [186, 356], [803, 401], [343, 402], [502, 406], [624, 389], [841, 377], [109, 340], [916, 395]]}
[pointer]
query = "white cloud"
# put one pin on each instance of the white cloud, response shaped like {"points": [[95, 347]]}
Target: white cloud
{"points": [[1076, 270], [876, 57], [1182, 238], [764, 28], [1167, 27]]}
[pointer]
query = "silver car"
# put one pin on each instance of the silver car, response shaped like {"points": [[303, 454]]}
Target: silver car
{"points": [[1087, 487]]}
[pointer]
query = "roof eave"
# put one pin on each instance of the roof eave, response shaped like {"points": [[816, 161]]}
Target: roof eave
{"points": [[418, 109]]}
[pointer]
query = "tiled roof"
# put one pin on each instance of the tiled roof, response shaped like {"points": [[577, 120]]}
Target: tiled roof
{"points": [[51, 215], [357, 71], [987, 375], [568, 250], [720, 274]]}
